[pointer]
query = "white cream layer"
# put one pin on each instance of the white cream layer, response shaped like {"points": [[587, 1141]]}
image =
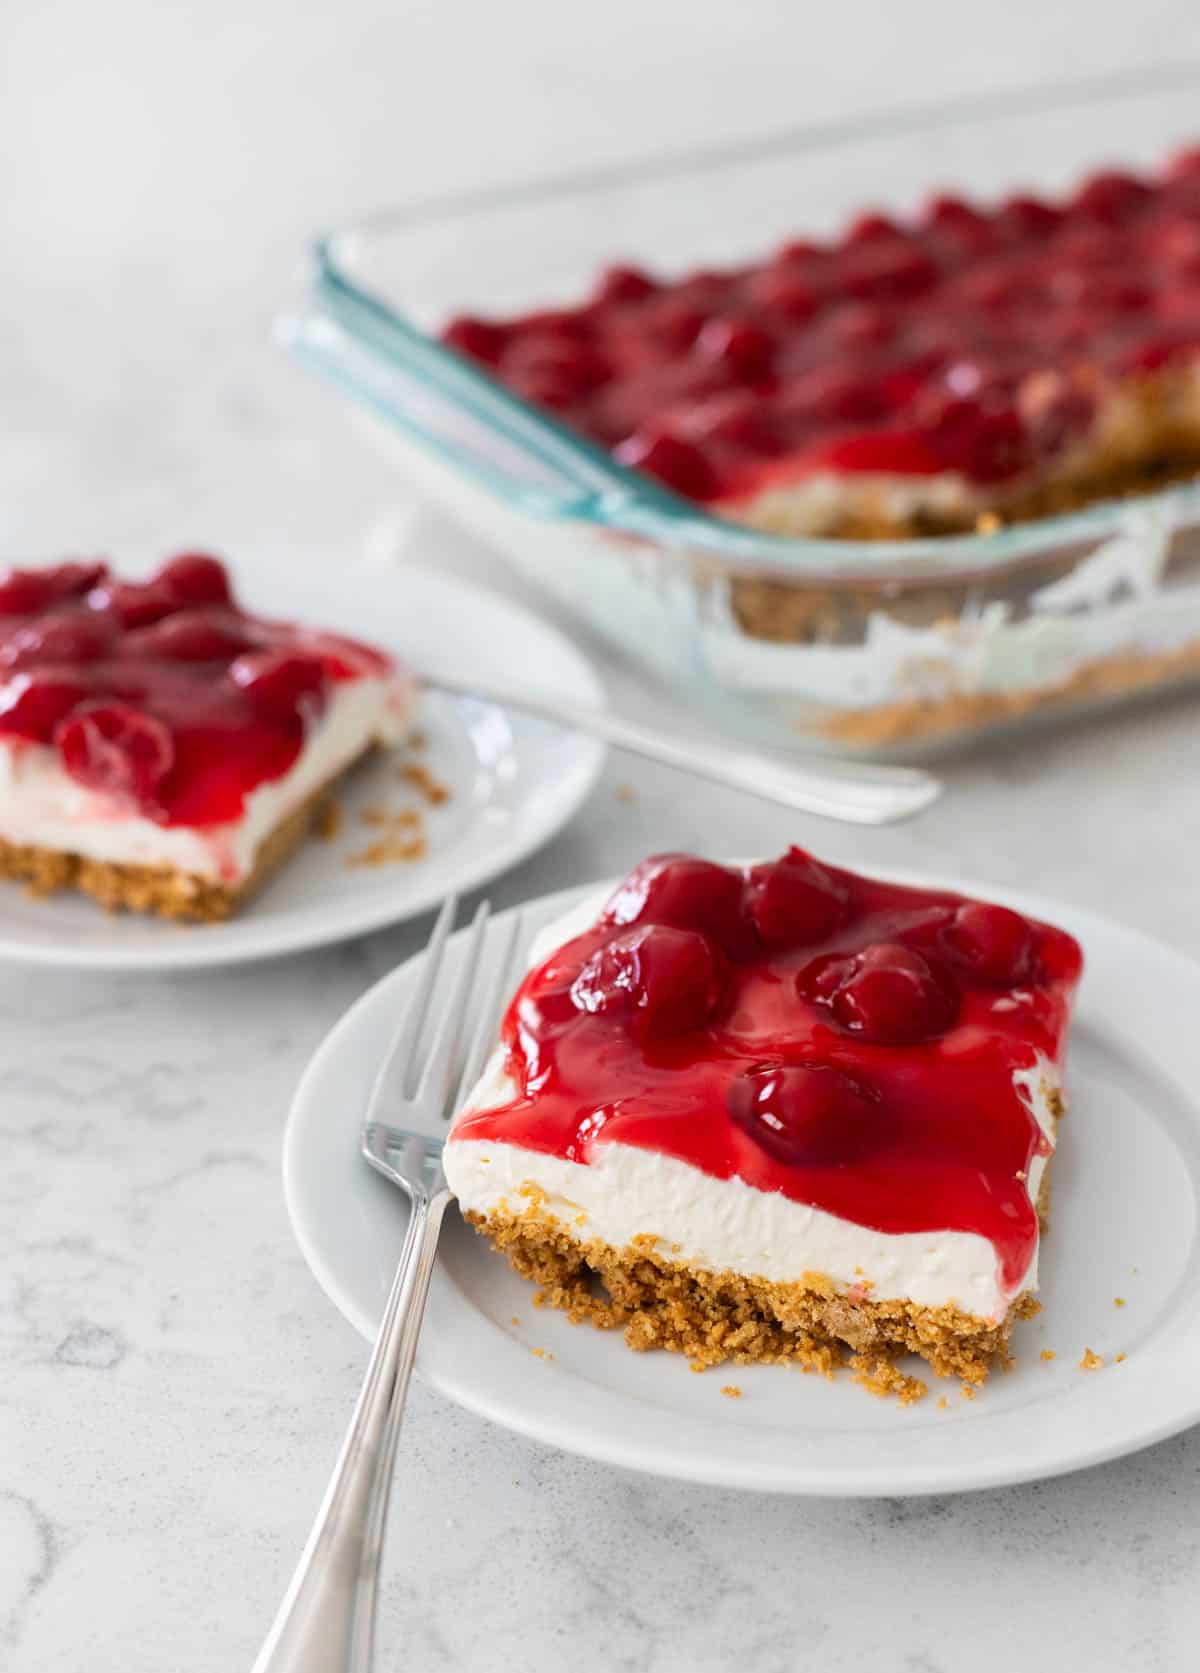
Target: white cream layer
{"points": [[42, 806], [725, 1225]]}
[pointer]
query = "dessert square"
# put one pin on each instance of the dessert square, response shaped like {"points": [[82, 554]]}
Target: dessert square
{"points": [[778, 1112], [970, 365], [162, 749]]}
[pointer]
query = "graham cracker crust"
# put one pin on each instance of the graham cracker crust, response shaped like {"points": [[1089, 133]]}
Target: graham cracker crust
{"points": [[717, 1317], [166, 891], [929, 720]]}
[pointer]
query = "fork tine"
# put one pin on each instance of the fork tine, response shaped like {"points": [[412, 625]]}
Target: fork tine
{"points": [[437, 1077], [396, 1070], [490, 1015]]}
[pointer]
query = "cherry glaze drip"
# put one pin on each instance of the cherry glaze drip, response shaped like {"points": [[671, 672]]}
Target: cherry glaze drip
{"points": [[968, 339], [755, 1070], [163, 695]]}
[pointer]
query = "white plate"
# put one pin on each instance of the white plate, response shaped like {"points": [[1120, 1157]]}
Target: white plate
{"points": [[1124, 1224], [513, 781]]}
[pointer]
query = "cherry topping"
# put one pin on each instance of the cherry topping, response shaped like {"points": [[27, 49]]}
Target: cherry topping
{"points": [[736, 343], [737, 418], [836, 347], [121, 751], [994, 943], [190, 636], [983, 437], [132, 603], [859, 325], [887, 270], [25, 592], [280, 683], [1112, 197], [683, 892], [129, 681], [678, 464], [574, 368], [1030, 216], [196, 578], [795, 900], [624, 284], [31, 705], [782, 290], [674, 323], [805, 1114], [665, 980], [872, 228], [959, 225], [887, 993], [68, 638], [478, 338], [833, 394]]}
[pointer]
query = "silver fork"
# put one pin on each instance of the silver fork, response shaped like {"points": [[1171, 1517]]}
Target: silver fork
{"points": [[326, 1622]]}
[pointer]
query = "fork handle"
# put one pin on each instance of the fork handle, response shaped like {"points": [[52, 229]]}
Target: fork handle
{"points": [[857, 793], [326, 1622]]}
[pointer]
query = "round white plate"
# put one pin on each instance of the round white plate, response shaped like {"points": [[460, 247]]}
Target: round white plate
{"points": [[513, 782], [1124, 1224]]}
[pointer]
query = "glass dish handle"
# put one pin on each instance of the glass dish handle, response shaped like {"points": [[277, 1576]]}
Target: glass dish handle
{"points": [[472, 423]]}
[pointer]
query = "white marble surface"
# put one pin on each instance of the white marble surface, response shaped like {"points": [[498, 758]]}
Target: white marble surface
{"points": [[172, 1384]]}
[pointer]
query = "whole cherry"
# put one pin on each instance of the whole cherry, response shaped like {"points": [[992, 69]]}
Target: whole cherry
{"points": [[995, 944], [805, 1114], [67, 637], [888, 993], [280, 683], [665, 980], [123, 752], [198, 635], [196, 578], [683, 892], [677, 463], [795, 900], [31, 705]]}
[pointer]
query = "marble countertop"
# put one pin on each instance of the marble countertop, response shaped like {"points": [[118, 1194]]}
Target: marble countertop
{"points": [[173, 1386]]}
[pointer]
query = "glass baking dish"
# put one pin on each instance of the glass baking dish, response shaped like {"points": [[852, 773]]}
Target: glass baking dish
{"points": [[880, 647]]}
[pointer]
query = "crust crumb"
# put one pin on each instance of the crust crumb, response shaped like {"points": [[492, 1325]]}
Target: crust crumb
{"points": [[327, 822], [1118, 1301], [389, 850], [382, 818], [879, 1376], [514, 1319], [625, 793], [418, 775], [1119, 1359], [943, 1404], [1048, 1354], [731, 1391], [1091, 1361]]}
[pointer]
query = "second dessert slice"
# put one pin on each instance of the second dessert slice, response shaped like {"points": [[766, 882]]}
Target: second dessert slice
{"points": [[775, 1111]]}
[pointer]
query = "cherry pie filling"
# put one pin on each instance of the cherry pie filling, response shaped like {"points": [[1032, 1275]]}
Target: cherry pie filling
{"points": [[164, 695], [979, 341], [849, 1043]]}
